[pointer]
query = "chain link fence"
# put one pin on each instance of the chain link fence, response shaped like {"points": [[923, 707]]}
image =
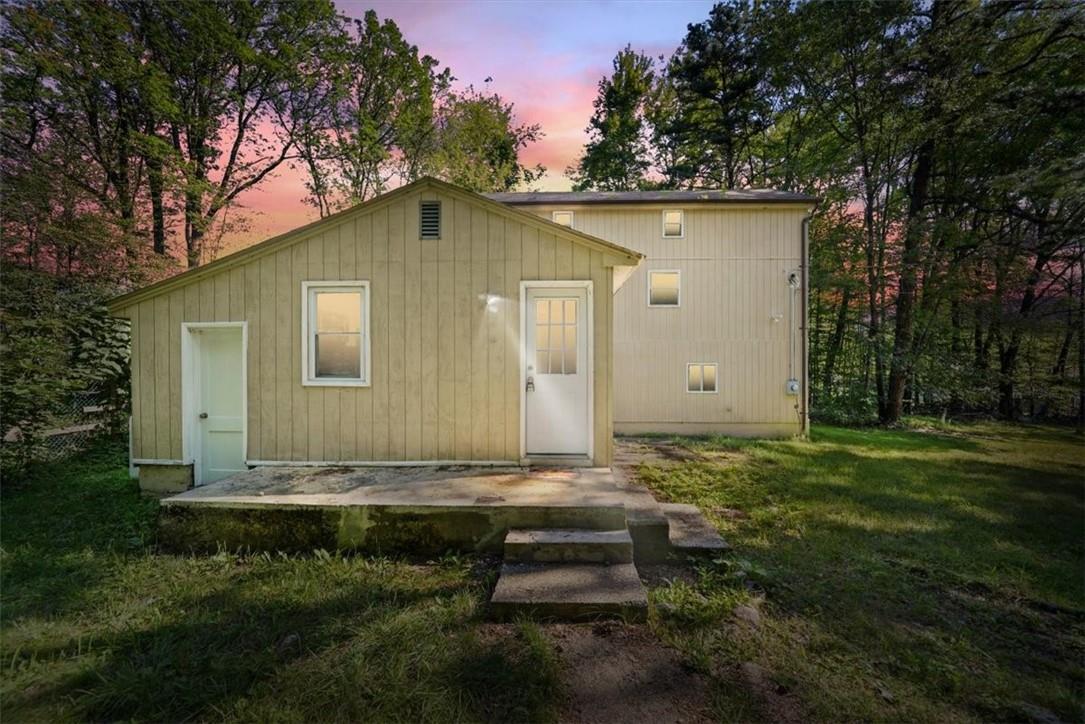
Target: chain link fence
{"points": [[86, 416]]}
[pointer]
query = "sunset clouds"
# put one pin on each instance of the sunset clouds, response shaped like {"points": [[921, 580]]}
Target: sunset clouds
{"points": [[545, 57]]}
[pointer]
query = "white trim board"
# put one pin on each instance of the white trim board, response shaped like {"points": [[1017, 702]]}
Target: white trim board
{"points": [[190, 388], [376, 463], [307, 352]]}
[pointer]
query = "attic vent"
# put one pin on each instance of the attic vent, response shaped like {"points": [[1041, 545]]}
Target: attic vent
{"points": [[430, 219]]}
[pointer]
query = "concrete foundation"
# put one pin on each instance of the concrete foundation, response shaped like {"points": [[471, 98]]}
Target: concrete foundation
{"points": [[696, 429], [164, 479], [422, 510]]}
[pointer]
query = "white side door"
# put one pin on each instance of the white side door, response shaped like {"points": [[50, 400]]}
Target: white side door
{"points": [[556, 397], [219, 403]]}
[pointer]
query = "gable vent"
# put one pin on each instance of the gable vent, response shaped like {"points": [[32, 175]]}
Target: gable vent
{"points": [[430, 219]]}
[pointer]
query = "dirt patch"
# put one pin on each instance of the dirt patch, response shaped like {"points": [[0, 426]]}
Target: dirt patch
{"points": [[663, 574], [617, 673], [632, 451], [776, 702]]}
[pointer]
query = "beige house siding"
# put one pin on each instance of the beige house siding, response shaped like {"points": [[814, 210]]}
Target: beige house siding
{"points": [[734, 261], [445, 377]]}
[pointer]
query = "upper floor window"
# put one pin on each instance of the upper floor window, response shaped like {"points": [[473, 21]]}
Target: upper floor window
{"points": [[674, 223], [563, 218], [335, 333], [664, 288]]}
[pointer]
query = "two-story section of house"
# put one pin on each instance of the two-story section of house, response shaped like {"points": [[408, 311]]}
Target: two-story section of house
{"points": [[710, 331]]}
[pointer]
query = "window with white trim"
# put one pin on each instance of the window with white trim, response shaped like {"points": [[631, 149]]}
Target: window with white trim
{"points": [[335, 330], [664, 288], [674, 223], [562, 218], [701, 377]]}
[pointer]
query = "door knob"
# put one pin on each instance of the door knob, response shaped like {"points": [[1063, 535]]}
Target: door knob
{"points": [[203, 415], [530, 384]]}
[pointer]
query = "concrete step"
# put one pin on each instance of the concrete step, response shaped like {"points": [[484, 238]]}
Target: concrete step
{"points": [[690, 533], [647, 525], [569, 545], [569, 592]]}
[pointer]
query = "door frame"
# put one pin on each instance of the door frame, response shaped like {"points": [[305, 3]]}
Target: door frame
{"points": [[589, 312], [190, 387]]}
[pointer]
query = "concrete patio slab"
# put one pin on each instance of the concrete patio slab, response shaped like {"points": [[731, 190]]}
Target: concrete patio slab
{"points": [[418, 485], [387, 509]]}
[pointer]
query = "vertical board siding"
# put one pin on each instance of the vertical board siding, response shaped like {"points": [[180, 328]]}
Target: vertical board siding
{"points": [[733, 264], [444, 339]]}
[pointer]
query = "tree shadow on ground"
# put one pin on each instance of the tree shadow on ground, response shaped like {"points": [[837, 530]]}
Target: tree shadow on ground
{"points": [[925, 558], [372, 648]]}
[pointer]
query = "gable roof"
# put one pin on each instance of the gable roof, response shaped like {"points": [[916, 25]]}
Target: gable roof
{"points": [[617, 255], [737, 196]]}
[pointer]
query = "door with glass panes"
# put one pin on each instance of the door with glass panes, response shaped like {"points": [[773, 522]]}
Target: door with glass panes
{"points": [[557, 371]]}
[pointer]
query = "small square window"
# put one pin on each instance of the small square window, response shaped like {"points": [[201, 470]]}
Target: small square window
{"points": [[674, 223], [562, 218], [701, 377], [664, 289]]}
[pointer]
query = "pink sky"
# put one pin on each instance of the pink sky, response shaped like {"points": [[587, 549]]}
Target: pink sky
{"points": [[545, 57]]}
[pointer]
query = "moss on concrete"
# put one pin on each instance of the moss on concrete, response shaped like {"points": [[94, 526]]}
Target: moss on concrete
{"points": [[371, 528], [420, 530], [206, 529]]}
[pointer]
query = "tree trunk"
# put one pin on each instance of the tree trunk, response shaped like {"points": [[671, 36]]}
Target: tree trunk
{"points": [[1059, 368], [835, 342], [956, 352], [158, 217], [193, 229], [874, 323], [904, 328], [1081, 356], [1009, 353]]}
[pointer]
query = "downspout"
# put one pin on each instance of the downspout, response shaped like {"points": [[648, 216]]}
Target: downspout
{"points": [[804, 395]]}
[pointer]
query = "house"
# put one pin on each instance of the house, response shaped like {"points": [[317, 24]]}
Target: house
{"points": [[709, 332], [435, 325], [391, 333]]}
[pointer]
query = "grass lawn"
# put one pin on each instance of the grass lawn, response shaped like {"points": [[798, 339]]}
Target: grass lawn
{"points": [[96, 625], [907, 575], [925, 574]]}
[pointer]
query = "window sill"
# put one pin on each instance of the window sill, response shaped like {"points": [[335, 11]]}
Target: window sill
{"points": [[335, 383]]}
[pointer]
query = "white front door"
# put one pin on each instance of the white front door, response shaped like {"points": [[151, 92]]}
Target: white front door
{"points": [[557, 387], [219, 399]]}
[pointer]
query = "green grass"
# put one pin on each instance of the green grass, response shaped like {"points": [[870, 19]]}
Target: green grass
{"points": [[96, 625], [934, 573], [928, 574]]}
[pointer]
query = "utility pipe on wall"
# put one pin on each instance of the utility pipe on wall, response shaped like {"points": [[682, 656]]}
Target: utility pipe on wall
{"points": [[804, 393]]}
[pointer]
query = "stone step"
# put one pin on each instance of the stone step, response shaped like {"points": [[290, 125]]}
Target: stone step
{"points": [[647, 525], [690, 532], [569, 545], [569, 592]]}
